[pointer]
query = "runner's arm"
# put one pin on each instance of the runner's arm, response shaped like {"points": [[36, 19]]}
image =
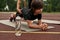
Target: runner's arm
{"points": [[31, 25]]}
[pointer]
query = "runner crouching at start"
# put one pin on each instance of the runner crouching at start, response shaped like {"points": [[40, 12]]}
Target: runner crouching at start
{"points": [[34, 13]]}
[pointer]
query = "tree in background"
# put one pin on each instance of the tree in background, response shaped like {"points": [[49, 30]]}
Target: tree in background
{"points": [[56, 5], [50, 5], [2, 4], [12, 5]]}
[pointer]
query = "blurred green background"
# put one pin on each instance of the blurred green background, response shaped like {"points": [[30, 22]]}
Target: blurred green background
{"points": [[49, 5]]}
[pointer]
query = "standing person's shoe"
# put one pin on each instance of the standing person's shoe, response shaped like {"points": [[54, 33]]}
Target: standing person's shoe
{"points": [[11, 19]]}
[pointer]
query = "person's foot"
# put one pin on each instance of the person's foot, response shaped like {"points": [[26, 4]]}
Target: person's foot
{"points": [[18, 33], [11, 19]]}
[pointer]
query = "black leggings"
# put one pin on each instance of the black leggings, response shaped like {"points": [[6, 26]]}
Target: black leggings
{"points": [[29, 1]]}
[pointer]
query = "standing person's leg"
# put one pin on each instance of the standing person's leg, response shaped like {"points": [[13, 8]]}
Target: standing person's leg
{"points": [[29, 3]]}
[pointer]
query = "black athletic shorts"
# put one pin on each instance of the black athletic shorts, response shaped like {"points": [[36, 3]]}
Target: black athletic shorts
{"points": [[18, 14], [29, 14]]}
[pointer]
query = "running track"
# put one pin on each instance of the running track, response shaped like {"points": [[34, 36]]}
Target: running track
{"points": [[30, 36]]}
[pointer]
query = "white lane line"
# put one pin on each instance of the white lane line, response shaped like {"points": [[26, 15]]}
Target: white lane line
{"points": [[31, 32], [49, 21]]}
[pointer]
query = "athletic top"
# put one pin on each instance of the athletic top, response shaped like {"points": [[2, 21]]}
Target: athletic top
{"points": [[29, 15]]}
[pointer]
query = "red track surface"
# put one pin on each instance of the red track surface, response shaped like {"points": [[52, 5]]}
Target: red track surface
{"points": [[11, 36]]}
